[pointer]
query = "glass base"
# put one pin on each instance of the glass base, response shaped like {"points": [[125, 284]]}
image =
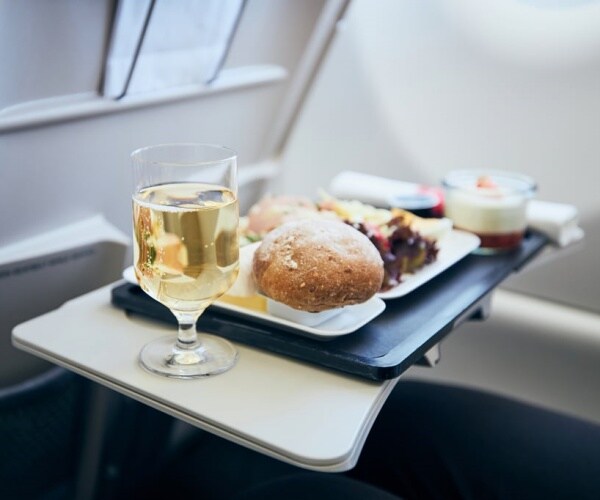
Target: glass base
{"points": [[211, 356]]}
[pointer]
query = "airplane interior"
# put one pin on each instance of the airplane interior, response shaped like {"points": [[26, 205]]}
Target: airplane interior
{"points": [[337, 110]]}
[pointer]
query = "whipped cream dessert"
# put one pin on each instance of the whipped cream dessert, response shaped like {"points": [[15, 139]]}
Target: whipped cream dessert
{"points": [[490, 205]]}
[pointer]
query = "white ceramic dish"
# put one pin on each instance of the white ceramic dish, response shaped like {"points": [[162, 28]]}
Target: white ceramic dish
{"points": [[349, 320], [340, 322], [453, 247], [129, 275], [301, 317]]}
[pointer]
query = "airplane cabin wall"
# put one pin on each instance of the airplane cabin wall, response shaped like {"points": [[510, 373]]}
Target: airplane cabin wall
{"points": [[411, 90], [56, 172], [62, 172]]}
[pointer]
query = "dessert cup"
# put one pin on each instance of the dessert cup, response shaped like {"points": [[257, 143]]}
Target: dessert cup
{"points": [[490, 204]]}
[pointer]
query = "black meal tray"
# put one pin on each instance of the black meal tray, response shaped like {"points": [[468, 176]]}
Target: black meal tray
{"points": [[386, 346]]}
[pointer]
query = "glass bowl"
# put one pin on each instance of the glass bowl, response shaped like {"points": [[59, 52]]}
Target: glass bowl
{"points": [[491, 204]]}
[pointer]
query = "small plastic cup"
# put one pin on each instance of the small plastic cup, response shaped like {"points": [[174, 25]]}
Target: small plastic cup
{"points": [[490, 204]]}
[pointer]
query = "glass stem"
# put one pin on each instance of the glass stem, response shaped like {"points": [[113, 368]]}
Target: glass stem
{"points": [[187, 337]]}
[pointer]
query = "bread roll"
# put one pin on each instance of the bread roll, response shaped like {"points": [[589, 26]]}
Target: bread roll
{"points": [[315, 265]]}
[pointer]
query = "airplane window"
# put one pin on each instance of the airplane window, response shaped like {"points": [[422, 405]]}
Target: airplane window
{"points": [[159, 44], [47, 51]]}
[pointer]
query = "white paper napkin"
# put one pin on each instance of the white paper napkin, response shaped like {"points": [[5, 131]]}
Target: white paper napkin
{"points": [[558, 221], [370, 189]]}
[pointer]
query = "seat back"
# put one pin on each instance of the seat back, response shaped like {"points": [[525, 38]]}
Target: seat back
{"points": [[39, 435]]}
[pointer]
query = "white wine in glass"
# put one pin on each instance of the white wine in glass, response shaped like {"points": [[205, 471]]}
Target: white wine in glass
{"points": [[186, 250]]}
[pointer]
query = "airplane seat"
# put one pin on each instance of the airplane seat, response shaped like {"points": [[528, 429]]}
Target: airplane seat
{"points": [[39, 432], [301, 486]]}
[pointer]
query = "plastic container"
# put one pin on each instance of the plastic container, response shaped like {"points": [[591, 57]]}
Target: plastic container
{"points": [[490, 204], [421, 200]]}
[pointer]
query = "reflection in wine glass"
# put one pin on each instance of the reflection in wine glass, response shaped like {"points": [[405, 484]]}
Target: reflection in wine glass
{"points": [[186, 250]]}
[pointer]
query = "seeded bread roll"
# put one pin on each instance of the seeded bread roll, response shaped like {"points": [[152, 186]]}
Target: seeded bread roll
{"points": [[315, 265]]}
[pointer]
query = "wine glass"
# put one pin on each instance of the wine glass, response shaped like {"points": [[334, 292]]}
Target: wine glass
{"points": [[186, 248]]}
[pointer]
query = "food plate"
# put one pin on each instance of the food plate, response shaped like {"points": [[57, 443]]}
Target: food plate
{"points": [[348, 321], [453, 247]]}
